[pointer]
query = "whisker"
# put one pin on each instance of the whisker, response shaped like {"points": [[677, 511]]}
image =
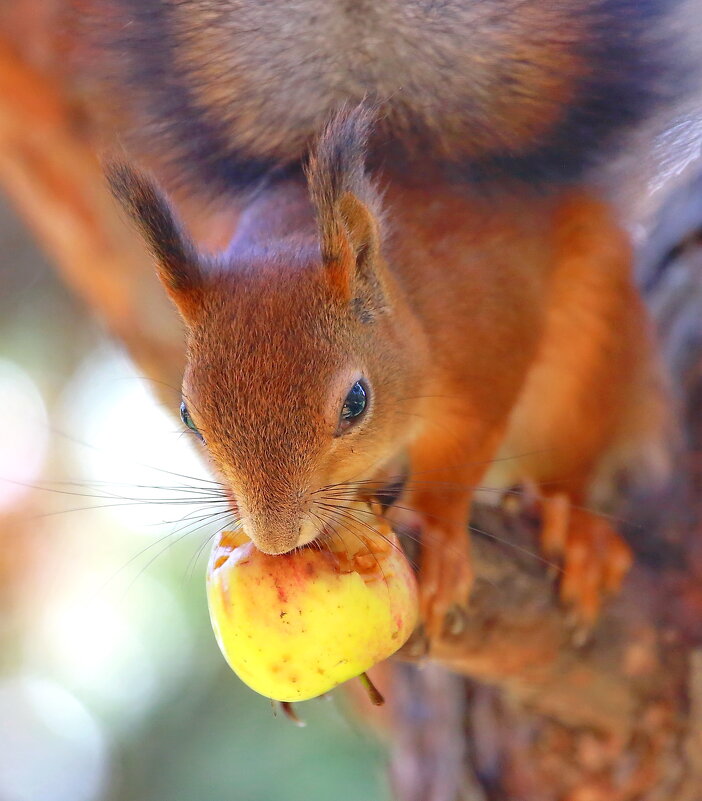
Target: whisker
{"points": [[320, 527], [347, 512], [126, 504], [408, 533], [192, 562], [457, 444], [489, 535], [180, 496], [198, 514], [94, 507], [514, 546], [204, 492], [210, 518], [106, 495], [170, 545], [360, 539], [458, 487], [76, 441], [497, 459]]}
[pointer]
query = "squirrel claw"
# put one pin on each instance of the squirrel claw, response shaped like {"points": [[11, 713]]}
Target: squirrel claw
{"points": [[595, 559], [445, 579]]}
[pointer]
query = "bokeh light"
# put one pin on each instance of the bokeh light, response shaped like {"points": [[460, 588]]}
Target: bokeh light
{"points": [[123, 653], [23, 443], [51, 747]]}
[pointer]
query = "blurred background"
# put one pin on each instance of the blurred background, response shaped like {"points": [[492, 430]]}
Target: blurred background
{"points": [[111, 683]]}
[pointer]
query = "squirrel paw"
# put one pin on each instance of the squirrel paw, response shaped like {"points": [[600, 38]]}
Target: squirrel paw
{"points": [[594, 557], [445, 577]]}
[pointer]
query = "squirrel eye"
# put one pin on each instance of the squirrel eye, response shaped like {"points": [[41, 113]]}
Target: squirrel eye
{"points": [[353, 408], [188, 420]]}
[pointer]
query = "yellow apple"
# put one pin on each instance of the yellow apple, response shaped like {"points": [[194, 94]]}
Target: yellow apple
{"points": [[295, 625]]}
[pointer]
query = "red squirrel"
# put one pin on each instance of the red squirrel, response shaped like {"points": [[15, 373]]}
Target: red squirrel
{"points": [[412, 290]]}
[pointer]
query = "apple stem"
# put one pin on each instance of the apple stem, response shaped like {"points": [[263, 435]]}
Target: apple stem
{"points": [[288, 710], [374, 694]]}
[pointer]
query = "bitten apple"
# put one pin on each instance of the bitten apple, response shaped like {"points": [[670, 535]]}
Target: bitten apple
{"points": [[296, 625]]}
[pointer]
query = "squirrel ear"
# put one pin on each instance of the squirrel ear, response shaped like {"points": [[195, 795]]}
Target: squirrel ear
{"points": [[356, 247], [175, 254], [362, 230]]}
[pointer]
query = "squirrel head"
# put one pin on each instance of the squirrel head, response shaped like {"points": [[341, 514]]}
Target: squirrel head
{"points": [[304, 361]]}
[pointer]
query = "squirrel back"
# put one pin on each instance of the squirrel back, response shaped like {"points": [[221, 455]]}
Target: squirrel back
{"points": [[225, 95]]}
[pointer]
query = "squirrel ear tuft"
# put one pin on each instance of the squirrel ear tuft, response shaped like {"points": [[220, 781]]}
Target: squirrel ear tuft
{"points": [[175, 254], [345, 199]]}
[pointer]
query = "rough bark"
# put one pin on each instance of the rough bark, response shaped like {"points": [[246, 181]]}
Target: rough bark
{"points": [[516, 702]]}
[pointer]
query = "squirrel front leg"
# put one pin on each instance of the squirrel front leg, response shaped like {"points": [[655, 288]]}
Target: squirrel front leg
{"points": [[447, 464], [594, 413]]}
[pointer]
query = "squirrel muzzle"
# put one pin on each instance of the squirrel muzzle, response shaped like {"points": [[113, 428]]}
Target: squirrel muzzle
{"points": [[278, 529]]}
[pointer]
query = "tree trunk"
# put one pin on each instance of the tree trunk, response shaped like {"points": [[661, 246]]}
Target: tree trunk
{"points": [[514, 701]]}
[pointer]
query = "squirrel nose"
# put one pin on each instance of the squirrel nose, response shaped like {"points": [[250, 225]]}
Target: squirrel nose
{"points": [[274, 535], [270, 542]]}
